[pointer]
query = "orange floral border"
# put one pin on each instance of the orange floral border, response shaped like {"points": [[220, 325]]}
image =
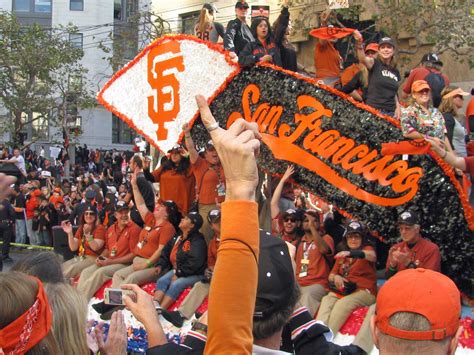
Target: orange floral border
{"points": [[447, 169]]}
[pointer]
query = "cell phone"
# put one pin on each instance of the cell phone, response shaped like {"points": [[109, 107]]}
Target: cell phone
{"points": [[101, 257], [114, 296]]}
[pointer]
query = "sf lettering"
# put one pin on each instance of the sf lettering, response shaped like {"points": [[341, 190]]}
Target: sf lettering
{"points": [[163, 106]]}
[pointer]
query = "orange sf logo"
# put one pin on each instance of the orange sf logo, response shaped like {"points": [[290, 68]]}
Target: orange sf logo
{"points": [[163, 64], [187, 246]]}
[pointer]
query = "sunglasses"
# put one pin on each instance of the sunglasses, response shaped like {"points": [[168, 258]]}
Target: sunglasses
{"points": [[292, 220], [89, 213], [424, 92]]}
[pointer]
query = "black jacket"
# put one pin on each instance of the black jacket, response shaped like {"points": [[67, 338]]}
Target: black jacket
{"points": [[287, 50], [237, 36], [253, 51], [191, 258]]}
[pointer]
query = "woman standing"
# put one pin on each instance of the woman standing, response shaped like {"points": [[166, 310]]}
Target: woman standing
{"points": [[88, 241], [352, 280], [207, 29], [264, 49], [185, 257], [176, 179], [420, 118], [452, 101], [384, 77]]}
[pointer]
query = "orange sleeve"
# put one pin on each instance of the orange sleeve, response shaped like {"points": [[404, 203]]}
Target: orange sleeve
{"points": [[157, 174], [232, 299]]}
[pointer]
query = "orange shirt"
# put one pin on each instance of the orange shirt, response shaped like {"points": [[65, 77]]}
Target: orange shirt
{"points": [[98, 233], [174, 252], [349, 73], [212, 251], [326, 60], [318, 267], [360, 271], [424, 254], [151, 236], [232, 299], [207, 180], [179, 188], [121, 242], [56, 200]]}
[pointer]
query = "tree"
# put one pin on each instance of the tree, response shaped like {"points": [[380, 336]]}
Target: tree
{"points": [[39, 70]]}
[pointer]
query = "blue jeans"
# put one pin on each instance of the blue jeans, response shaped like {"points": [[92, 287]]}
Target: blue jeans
{"points": [[20, 231], [44, 238], [173, 289]]}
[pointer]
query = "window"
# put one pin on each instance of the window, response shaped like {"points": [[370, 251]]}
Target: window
{"points": [[118, 9], [121, 133], [76, 5], [188, 21], [43, 6], [76, 40], [21, 5], [39, 123]]}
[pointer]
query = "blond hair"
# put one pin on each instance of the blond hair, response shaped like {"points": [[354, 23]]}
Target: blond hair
{"points": [[205, 21], [69, 318], [447, 105]]}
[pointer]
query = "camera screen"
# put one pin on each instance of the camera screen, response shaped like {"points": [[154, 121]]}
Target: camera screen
{"points": [[115, 297]]}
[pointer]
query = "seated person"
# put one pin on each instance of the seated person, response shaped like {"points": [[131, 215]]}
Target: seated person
{"points": [[353, 282], [185, 257], [121, 239], [313, 264], [88, 241], [200, 289]]}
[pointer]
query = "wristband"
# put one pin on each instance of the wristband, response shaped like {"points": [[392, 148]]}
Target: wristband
{"points": [[357, 254], [392, 268], [149, 263]]}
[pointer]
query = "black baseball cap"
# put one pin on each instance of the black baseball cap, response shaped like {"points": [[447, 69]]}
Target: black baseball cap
{"points": [[242, 4], [355, 227], [210, 144], [170, 205], [196, 219], [290, 212], [175, 148], [121, 205], [214, 215], [276, 278], [90, 194], [431, 58], [408, 217], [91, 208], [387, 40], [210, 7]]}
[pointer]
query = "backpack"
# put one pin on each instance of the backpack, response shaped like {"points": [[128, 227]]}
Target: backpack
{"points": [[437, 84]]}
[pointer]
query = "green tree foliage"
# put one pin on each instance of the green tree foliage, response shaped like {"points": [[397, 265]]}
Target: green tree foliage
{"points": [[40, 73]]}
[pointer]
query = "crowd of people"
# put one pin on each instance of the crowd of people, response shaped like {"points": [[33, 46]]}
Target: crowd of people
{"points": [[282, 275]]}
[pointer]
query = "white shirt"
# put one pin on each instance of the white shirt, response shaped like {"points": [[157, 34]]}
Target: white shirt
{"points": [[260, 350], [20, 164]]}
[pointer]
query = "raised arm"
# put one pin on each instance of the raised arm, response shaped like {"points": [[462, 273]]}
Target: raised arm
{"points": [[368, 62], [139, 201], [275, 210], [232, 300], [188, 140]]}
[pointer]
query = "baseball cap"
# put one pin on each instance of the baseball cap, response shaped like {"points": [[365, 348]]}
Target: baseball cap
{"points": [[121, 205], [242, 4], [290, 212], [276, 278], [455, 92], [431, 58], [387, 40], [210, 7], [210, 145], [90, 194], [372, 47], [421, 291], [196, 219], [170, 205], [408, 217], [214, 215], [420, 85], [175, 147], [355, 227], [91, 208]]}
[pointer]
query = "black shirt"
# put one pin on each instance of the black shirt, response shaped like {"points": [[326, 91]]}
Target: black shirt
{"points": [[6, 211], [383, 86], [20, 202], [237, 36], [146, 189]]}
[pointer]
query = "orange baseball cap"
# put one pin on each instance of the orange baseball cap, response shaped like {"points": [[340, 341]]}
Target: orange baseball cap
{"points": [[419, 85], [425, 292], [372, 47]]}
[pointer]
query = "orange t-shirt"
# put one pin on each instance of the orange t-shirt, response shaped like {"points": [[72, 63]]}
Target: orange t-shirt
{"points": [[360, 271], [151, 236], [349, 73], [326, 60], [318, 267], [56, 200], [98, 233], [207, 180], [120, 243], [212, 251], [179, 188]]}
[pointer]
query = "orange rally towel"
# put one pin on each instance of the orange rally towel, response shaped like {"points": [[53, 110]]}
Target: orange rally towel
{"points": [[406, 147], [331, 32]]}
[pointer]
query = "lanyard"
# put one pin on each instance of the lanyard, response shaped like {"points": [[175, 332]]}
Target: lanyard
{"points": [[306, 250]]}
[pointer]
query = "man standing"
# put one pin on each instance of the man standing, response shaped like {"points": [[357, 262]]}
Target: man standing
{"points": [[413, 251], [7, 220], [312, 262], [19, 162], [238, 33], [121, 239], [210, 179], [19, 204], [417, 312]]}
